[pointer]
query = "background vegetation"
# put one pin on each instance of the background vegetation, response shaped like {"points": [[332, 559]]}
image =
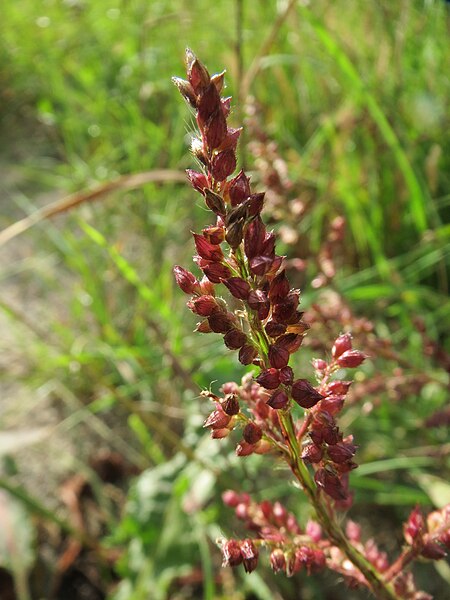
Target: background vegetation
{"points": [[111, 489]]}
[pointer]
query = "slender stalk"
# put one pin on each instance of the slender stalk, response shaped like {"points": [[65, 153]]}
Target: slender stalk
{"points": [[405, 558]]}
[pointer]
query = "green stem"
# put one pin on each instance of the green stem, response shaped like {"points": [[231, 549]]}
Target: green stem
{"points": [[380, 588], [240, 260]]}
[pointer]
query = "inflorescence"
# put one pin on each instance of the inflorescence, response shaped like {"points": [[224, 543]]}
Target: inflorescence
{"points": [[261, 320]]}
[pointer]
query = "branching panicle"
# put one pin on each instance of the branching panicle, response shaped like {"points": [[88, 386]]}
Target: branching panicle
{"points": [[263, 323]]}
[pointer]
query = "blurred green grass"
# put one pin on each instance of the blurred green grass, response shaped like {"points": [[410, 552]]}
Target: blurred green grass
{"points": [[356, 96]]}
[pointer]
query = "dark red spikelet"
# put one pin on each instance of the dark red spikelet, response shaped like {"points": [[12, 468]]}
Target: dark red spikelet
{"points": [[279, 399], [252, 433], [220, 321], [235, 339], [223, 164], [203, 305], [238, 287], [304, 393], [214, 202], [278, 356], [341, 345], [197, 73], [351, 359], [207, 250], [269, 379], [254, 238], [216, 272], [247, 354], [279, 287], [215, 130], [330, 484], [239, 189], [198, 180], [250, 555], [231, 551], [260, 265], [208, 103], [186, 280]]}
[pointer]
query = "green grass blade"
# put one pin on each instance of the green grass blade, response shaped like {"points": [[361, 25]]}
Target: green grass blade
{"points": [[417, 194]]}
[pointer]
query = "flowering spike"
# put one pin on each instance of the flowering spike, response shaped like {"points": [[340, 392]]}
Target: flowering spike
{"points": [[266, 327]]}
